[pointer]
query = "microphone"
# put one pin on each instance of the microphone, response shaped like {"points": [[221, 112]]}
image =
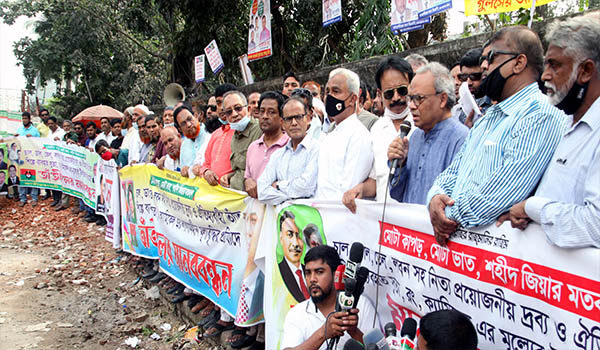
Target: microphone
{"points": [[374, 336], [404, 130], [390, 329], [361, 279], [390, 336], [338, 278], [352, 344], [353, 263], [372, 347], [408, 333], [346, 299]]}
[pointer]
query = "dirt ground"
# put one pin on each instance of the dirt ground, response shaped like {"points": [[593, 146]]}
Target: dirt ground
{"points": [[63, 286]]}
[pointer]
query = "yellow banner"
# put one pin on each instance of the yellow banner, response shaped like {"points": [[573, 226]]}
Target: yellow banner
{"points": [[484, 7]]}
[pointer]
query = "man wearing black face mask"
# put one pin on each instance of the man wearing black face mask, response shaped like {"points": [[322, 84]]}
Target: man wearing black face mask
{"points": [[507, 150], [567, 201], [346, 155]]}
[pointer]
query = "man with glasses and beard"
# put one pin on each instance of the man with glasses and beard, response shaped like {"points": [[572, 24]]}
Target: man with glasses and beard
{"points": [[212, 121], [196, 138], [472, 74], [567, 200], [506, 152], [314, 322]]}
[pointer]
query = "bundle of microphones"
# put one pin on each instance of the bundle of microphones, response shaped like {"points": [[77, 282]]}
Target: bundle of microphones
{"points": [[350, 282]]}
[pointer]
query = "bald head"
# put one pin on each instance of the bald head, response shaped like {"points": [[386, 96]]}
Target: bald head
{"points": [[172, 141], [523, 40]]}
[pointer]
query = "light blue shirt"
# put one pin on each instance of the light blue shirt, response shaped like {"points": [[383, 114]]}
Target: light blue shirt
{"points": [[189, 148], [31, 130], [502, 159], [428, 155], [567, 201], [294, 170]]}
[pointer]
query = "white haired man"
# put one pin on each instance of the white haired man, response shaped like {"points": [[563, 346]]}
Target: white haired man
{"points": [[567, 200], [346, 153]]}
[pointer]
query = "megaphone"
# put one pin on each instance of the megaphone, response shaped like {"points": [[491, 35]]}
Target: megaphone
{"points": [[173, 94]]}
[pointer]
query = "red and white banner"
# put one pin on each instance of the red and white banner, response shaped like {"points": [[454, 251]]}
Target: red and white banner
{"points": [[520, 291]]}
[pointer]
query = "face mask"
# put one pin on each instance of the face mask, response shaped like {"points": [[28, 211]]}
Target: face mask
{"points": [[123, 132], [396, 116], [334, 106], [107, 156], [169, 124], [135, 126], [224, 122], [493, 84], [241, 125]]}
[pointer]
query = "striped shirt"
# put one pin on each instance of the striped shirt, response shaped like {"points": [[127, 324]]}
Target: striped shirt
{"points": [[502, 159]]}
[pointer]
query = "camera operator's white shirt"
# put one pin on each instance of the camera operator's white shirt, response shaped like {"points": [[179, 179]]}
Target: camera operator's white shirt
{"points": [[305, 318]]}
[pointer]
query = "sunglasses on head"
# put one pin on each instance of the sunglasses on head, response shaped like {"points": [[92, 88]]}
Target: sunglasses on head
{"points": [[495, 53], [401, 90], [473, 76]]}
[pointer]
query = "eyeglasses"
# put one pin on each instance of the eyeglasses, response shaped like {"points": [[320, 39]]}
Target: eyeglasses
{"points": [[418, 99], [402, 90], [44, 115], [237, 109], [212, 108], [493, 54], [472, 76], [289, 119]]}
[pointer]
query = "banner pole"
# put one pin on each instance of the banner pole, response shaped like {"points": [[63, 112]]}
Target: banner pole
{"points": [[531, 12]]}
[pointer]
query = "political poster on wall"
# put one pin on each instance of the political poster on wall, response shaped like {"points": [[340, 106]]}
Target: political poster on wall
{"points": [[332, 11], [214, 57], [108, 200], [407, 15], [199, 233], [259, 33], [517, 296], [199, 68], [9, 123]]}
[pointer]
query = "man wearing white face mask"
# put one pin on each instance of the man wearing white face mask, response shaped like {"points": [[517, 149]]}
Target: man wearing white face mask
{"points": [[247, 129]]}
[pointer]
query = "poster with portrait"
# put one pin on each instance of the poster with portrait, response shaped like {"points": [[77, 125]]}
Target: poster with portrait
{"points": [[3, 169], [107, 199], [199, 68], [214, 57], [259, 32], [332, 12], [407, 15]]}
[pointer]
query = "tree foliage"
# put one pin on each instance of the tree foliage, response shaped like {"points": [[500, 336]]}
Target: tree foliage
{"points": [[119, 52]]}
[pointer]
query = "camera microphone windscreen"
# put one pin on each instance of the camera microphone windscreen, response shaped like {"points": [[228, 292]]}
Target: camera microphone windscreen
{"points": [[374, 336], [352, 344], [390, 329], [338, 278], [404, 131], [361, 279], [356, 255], [409, 328]]}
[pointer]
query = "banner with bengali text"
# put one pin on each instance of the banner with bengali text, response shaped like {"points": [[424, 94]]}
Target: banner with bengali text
{"points": [[260, 42], [484, 7], [54, 165], [520, 291], [196, 231]]}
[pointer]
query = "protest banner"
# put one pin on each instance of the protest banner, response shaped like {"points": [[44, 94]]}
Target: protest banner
{"points": [[520, 291], [214, 57], [332, 11], [54, 165], [407, 15], [9, 123], [199, 68], [108, 200], [484, 7], [259, 32], [196, 231]]}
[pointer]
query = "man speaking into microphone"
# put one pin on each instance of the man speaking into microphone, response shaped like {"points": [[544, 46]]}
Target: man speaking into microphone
{"points": [[436, 140], [314, 322]]}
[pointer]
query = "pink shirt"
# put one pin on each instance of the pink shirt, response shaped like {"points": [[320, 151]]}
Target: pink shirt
{"points": [[218, 151], [258, 155]]}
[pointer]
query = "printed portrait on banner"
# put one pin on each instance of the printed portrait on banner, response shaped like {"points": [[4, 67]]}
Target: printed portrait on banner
{"points": [[332, 11], [259, 30], [299, 228]]}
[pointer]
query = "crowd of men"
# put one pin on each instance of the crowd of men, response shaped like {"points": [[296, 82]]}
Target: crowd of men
{"points": [[528, 152]]}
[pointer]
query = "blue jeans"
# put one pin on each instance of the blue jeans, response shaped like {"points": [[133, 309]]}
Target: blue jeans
{"points": [[23, 191]]}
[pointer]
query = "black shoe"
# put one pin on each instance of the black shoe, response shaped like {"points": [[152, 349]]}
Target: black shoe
{"points": [[55, 203], [101, 221], [194, 299], [157, 278], [174, 289], [211, 318], [179, 298], [91, 219], [150, 274]]}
